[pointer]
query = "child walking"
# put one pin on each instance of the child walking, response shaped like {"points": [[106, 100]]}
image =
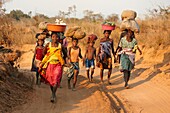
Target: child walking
{"points": [[89, 58], [74, 52], [38, 58]]}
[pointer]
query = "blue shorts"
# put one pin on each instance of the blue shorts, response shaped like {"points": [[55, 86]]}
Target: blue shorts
{"points": [[89, 64], [75, 65]]}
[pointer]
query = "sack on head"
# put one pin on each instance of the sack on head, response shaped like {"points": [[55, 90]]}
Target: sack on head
{"points": [[75, 32], [130, 24], [70, 31], [42, 25], [128, 14], [79, 34]]}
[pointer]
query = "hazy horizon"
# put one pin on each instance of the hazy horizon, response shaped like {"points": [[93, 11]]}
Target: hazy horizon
{"points": [[49, 8]]}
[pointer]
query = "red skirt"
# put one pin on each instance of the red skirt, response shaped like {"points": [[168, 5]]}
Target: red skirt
{"points": [[53, 74]]}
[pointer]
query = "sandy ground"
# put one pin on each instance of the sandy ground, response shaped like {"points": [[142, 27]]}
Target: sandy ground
{"points": [[148, 93]]}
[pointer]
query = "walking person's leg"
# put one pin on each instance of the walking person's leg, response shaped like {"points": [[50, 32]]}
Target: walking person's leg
{"points": [[87, 72], [92, 65], [75, 79], [37, 77], [87, 63], [69, 85], [53, 91], [92, 72], [126, 77], [109, 74]]}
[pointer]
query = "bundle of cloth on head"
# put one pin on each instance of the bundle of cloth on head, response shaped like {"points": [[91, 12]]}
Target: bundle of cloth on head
{"points": [[92, 38], [128, 21], [75, 32]]}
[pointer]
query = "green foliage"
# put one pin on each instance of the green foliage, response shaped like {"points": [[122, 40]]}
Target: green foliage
{"points": [[108, 23], [18, 14], [42, 16]]}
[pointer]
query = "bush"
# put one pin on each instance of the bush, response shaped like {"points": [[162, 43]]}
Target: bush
{"points": [[18, 14]]}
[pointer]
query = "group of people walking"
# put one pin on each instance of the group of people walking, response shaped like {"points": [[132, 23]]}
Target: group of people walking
{"points": [[52, 57]]}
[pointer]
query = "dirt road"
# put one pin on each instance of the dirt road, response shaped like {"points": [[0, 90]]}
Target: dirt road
{"points": [[144, 95], [89, 98]]}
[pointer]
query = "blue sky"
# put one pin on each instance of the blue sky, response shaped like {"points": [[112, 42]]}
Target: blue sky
{"points": [[106, 7]]}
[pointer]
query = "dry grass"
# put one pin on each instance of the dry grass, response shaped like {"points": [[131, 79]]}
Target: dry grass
{"points": [[23, 33], [154, 31], [17, 32], [95, 28]]}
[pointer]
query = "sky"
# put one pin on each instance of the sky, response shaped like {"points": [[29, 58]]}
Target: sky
{"points": [[106, 7]]}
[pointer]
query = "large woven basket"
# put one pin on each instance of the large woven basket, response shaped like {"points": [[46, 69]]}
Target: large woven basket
{"points": [[56, 28]]}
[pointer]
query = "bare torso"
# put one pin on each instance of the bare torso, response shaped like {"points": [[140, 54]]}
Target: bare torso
{"points": [[90, 53], [74, 54]]}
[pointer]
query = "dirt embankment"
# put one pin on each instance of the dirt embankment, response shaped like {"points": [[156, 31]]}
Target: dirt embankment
{"points": [[157, 64], [15, 87]]}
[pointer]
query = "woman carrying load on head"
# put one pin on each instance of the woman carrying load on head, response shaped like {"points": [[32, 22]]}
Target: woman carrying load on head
{"points": [[52, 64], [104, 56], [128, 46]]}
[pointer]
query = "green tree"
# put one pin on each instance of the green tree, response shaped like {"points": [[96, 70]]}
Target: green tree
{"points": [[17, 14]]}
